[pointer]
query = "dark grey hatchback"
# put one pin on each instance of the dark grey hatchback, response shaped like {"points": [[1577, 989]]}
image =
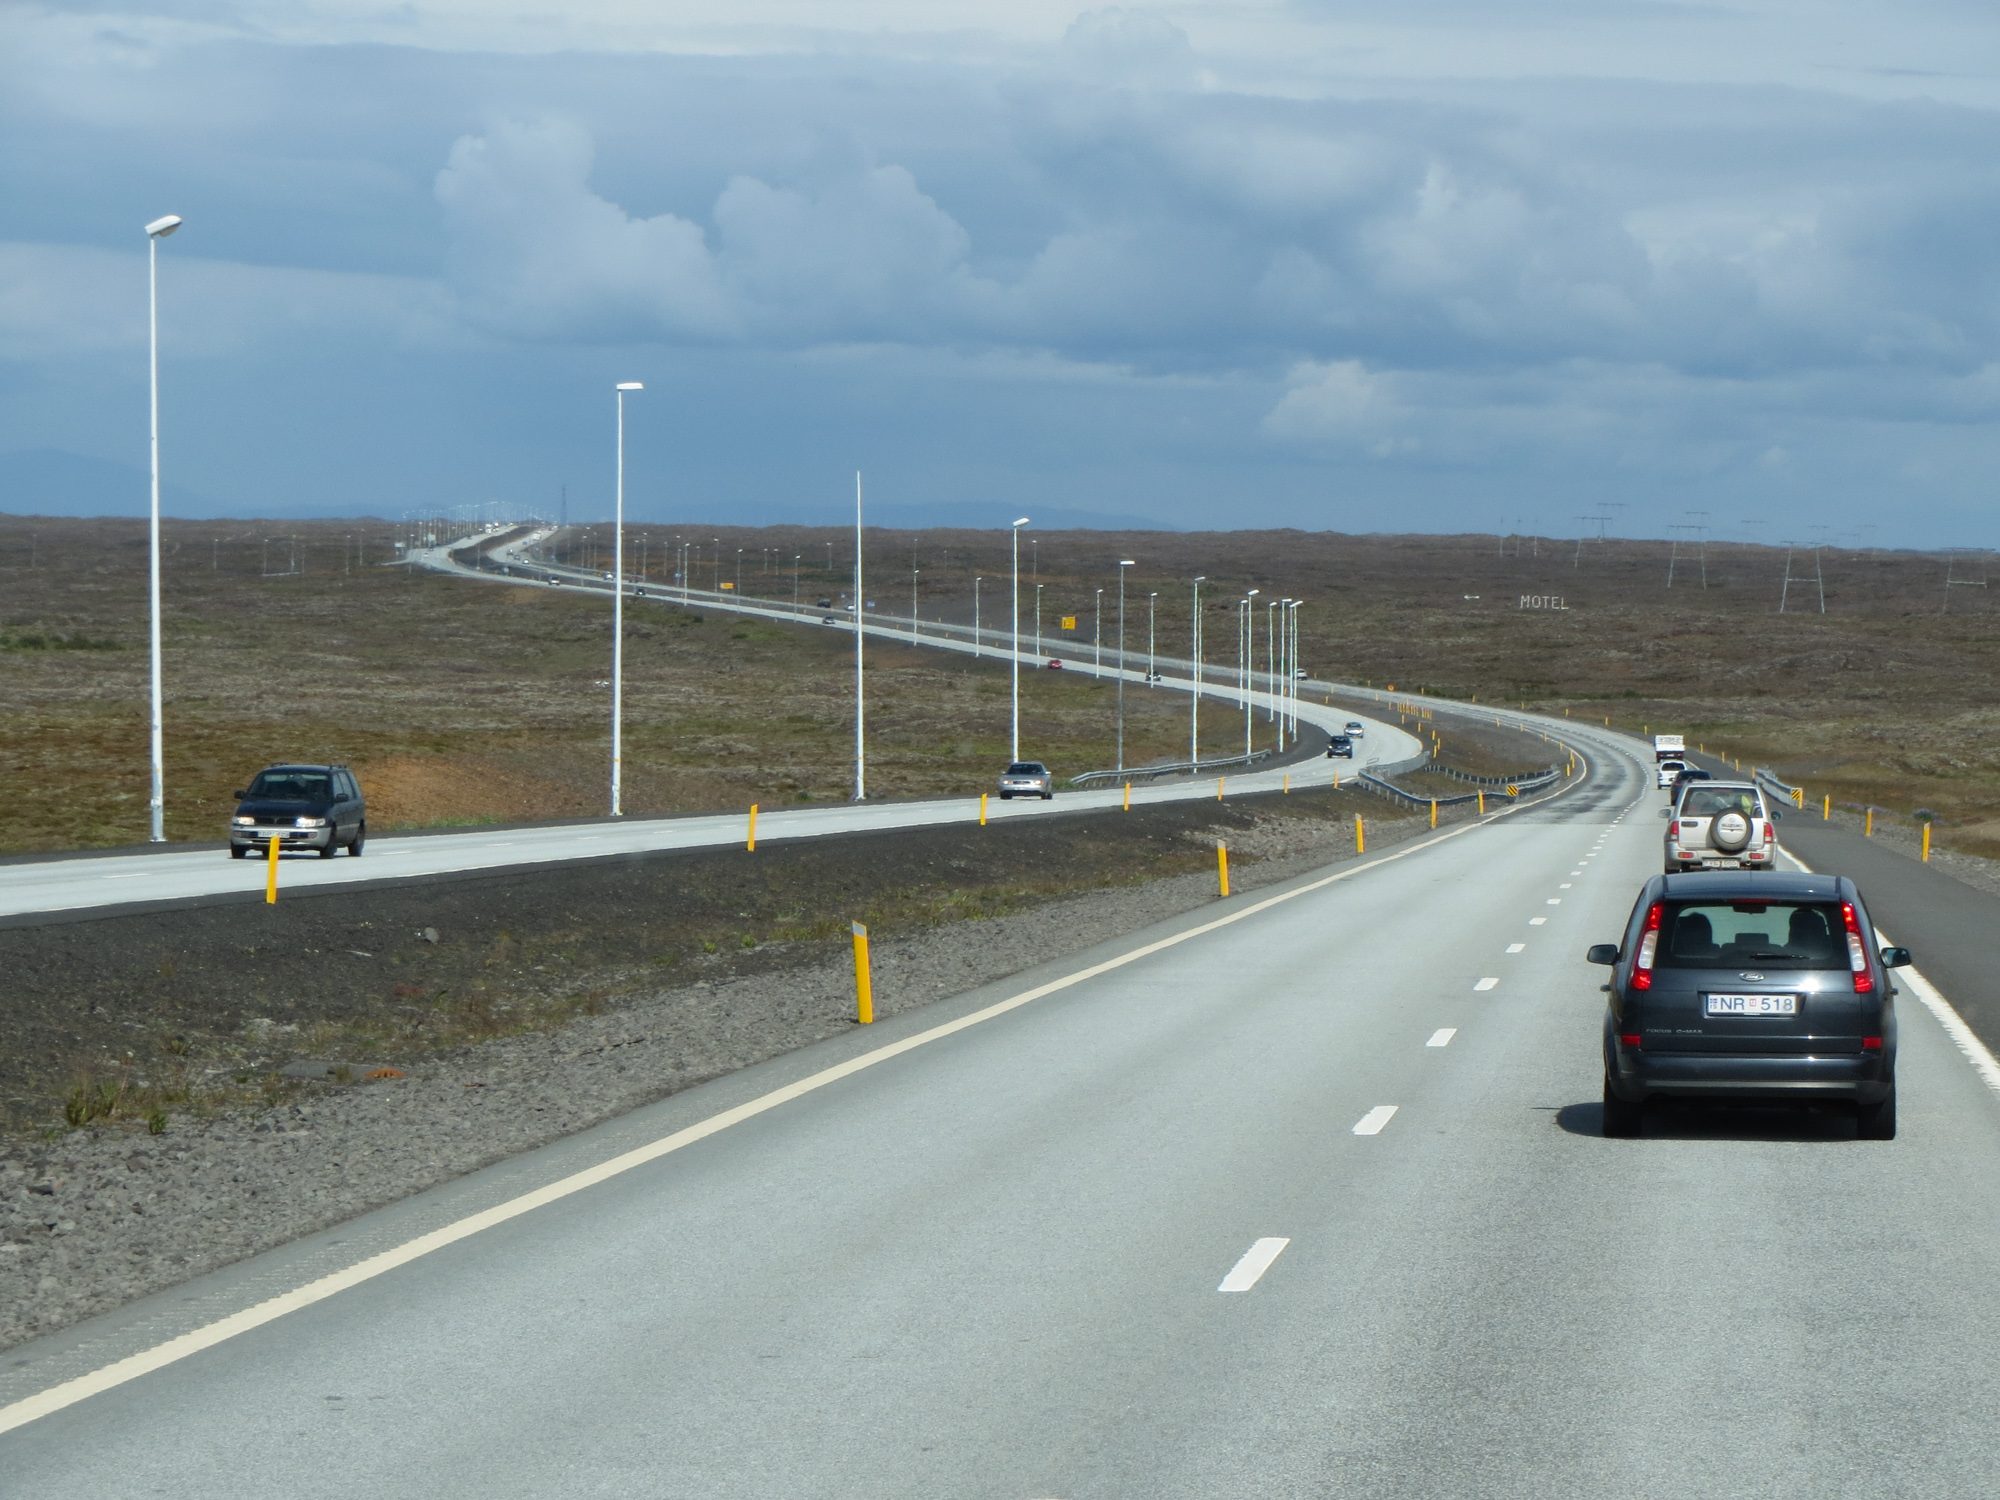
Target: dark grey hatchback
{"points": [[1761, 986]]}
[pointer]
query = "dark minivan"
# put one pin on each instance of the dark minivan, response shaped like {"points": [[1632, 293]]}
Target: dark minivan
{"points": [[302, 807], [1750, 985]]}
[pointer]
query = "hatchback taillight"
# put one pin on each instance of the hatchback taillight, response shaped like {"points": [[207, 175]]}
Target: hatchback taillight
{"points": [[1649, 942], [1857, 950]]}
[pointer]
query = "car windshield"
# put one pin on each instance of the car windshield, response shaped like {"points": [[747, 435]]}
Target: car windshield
{"points": [[1709, 801], [1027, 768], [290, 786], [1772, 934]]}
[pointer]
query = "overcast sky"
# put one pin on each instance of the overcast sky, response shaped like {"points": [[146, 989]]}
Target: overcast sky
{"points": [[1359, 265]]}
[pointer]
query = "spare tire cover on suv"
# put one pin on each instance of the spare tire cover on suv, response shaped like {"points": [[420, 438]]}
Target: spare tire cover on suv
{"points": [[1729, 832]]}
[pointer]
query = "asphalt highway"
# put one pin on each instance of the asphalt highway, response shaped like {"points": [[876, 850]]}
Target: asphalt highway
{"points": [[1302, 1195]]}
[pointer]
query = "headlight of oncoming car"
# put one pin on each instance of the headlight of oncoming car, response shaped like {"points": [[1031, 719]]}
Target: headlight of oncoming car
{"points": [[305, 822], [243, 820]]}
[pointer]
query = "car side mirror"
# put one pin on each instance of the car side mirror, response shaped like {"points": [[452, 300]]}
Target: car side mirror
{"points": [[1896, 958], [1602, 953], [239, 796]]}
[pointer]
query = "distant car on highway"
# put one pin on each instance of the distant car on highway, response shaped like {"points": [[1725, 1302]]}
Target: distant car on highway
{"points": [[1769, 990], [301, 806], [554, 582], [825, 603], [1356, 729], [1055, 664], [1339, 747], [1668, 772], [1027, 778], [1720, 825], [1687, 774]]}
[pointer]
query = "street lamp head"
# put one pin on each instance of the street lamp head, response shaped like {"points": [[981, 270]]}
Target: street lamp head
{"points": [[160, 228], [1201, 578], [1252, 594], [1022, 522], [1125, 562], [631, 385]]}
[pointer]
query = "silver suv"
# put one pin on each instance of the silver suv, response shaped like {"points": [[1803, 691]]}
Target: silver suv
{"points": [[1720, 825]]}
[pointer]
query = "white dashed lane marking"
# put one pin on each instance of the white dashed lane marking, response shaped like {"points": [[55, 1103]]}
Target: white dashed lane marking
{"points": [[1442, 1036], [1255, 1262], [1516, 947], [1536, 921], [1372, 1122], [1485, 984]]}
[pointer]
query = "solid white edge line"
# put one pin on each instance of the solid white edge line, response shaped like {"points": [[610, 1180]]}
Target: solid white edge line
{"points": [[1255, 1262], [81, 1387], [1372, 1122], [1984, 1063], [1442, 1036]]}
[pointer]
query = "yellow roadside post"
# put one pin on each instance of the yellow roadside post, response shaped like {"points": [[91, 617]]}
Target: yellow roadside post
{"points": [[1288, 781], [864, 991], [271, 876], [750, 843], [1826, 807], [1360, 836], [1868, 826], [1434, 812], [1336, 778], [1218, 787], [982, 809], [1128, 797], [1482, 801], [1222, 867], [1927, 841]]}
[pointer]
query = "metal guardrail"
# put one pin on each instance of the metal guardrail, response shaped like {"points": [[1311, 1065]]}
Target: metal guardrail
{"points": [[1378, 785], [1179, 768], [1771, 782]]}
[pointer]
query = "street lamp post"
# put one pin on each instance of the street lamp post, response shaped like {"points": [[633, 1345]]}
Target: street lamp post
{"points": [[156, 231], [860, 699], [913, 601], [1123, 564], [796, 557], [618, 611], [1246, 659], [1014, 532], [739, 572], [1194, 700], [1152, 667], [1097, 635], [1281, 670], [1038, 620], [1292, 673], [1270, 666], [976, 581]]}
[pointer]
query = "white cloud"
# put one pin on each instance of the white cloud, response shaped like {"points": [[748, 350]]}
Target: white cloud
{"points": [[536, 252]]}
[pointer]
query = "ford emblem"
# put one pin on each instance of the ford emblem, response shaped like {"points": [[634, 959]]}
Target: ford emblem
{"points": [[1753, 978]]}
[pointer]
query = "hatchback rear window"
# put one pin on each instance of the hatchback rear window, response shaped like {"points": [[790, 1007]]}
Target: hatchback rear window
{"points": [[1770, 934]]}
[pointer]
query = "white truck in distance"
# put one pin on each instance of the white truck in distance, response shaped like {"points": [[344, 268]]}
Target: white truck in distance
{"points": [[1669, 747]]}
